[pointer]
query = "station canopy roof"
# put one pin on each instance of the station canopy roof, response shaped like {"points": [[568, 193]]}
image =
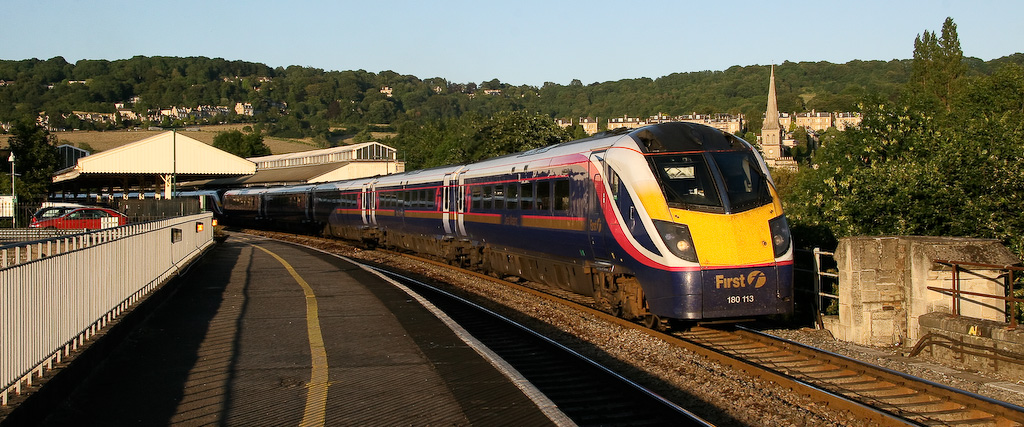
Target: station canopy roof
{"points": [[163, 155], [313, 166]]}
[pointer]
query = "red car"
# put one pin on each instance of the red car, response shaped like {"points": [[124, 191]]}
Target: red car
{"points": [[84, 218]]}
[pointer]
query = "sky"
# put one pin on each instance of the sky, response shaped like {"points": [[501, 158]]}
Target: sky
{"points": [[517, 42]]}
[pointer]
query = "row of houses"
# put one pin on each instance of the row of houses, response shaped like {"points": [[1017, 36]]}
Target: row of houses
{"points": [[185, 113], [725, 122], [819, 120], [155, 115], [732, 123]]}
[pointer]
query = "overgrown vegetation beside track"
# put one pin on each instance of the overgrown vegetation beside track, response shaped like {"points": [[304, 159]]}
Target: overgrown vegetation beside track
{"points": [[943, 159]]}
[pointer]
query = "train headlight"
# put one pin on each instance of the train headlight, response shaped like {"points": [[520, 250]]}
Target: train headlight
{"points": [[677, 238], [781, 239]]}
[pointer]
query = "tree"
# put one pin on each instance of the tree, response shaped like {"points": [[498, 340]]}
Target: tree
{"points": [[472, 138], [910, 172], [493, 84], [35, 156], [511, 132], [242, 145], [381, 112], [938, 64]]}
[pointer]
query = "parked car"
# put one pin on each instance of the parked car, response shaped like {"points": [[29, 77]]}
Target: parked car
{"points": [[88, 218], [53, 211]]}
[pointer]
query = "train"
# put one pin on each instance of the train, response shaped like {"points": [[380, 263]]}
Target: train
{"points": [[672, 222]]}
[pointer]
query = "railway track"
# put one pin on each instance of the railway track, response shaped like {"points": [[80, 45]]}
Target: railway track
{"points": [[867, 391], [586, 392], [899, 396], [875, 394]]}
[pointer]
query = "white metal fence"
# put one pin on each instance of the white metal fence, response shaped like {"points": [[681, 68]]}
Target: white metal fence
{"points": [[56, 294]]}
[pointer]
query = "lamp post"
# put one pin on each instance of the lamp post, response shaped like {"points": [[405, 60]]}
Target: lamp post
{"points": [[14, 198]]}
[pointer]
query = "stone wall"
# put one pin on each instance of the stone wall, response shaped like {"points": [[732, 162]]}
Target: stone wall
{"points": [[972, 344], [883, 285]]}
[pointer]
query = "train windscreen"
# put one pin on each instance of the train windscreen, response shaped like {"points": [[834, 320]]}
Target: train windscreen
{"points": [[687, 180], [745, 184]]}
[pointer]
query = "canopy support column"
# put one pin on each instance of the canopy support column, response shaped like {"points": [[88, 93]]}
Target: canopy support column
{"points": [[168, 185]]}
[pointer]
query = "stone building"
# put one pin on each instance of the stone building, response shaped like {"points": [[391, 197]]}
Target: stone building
{"points": [[846, 120], [773, 134], [815, 120]]}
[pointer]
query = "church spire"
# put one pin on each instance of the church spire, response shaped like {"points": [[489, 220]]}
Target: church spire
{"points": [[771, 132], [771, 116]]}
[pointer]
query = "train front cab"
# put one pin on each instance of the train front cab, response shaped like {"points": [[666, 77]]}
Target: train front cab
{"points": [[724, 216]]}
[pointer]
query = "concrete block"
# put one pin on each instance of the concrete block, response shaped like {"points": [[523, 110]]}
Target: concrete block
{"points": [[972, 344], [867, 277], [883, 328], [884, 284]]}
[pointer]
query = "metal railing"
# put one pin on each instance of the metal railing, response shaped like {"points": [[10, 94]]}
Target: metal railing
{"points": [[818, 279], [956, 293], [15, 235], [56, 294], [819, 270]]}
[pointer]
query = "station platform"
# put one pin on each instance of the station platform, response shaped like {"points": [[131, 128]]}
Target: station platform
{"points": [[268, 333]]}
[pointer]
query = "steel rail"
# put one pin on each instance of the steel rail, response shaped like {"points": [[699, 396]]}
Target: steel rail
{"points": [[876, 410], [819, 394], [548, 341], [856, 399], [998, 412], [657, 403]]}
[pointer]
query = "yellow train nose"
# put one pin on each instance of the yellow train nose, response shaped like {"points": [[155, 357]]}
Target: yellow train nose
{"points": [[730, 240]]}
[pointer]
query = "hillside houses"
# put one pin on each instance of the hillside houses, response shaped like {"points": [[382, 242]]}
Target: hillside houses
{"points": [[725, 122], [731, 123], [123, 113]]}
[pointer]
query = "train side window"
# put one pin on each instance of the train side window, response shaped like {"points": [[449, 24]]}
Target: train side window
{"points": [[488, 196], [562, 195], [499, 196], [613, 183], [512, 197], [476, 194], [543, 195], [526, 196]]}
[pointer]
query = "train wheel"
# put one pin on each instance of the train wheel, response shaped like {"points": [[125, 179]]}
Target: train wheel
{"points": [[654, 322], [678, 325]]}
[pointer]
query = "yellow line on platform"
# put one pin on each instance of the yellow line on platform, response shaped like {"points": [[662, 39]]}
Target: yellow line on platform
{"points": [[316, 399]]}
